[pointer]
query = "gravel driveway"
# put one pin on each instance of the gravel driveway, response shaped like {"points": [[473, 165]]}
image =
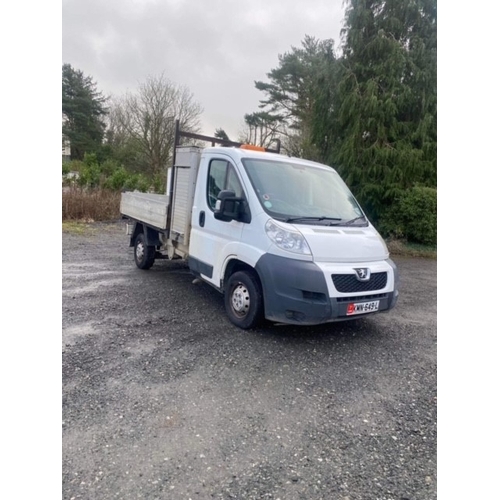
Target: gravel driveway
{"points": [[163, 398]]}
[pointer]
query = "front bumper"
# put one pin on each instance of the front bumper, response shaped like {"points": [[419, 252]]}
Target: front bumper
{"points": [[302, 292]]}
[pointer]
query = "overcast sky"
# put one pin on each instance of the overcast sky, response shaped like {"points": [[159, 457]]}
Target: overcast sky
{"points": [[216, 48]]}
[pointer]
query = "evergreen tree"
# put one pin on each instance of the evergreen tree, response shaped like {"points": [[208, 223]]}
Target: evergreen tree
{"points": [[262, 128], [83, 109], [291, 90], [220, 133], [376, 118]]}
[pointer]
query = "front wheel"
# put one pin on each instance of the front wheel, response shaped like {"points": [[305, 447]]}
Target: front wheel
{"points": [[144, 255], [243, 300]]}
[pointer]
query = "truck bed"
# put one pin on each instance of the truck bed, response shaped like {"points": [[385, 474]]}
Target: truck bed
{"points": [[145, 207]]}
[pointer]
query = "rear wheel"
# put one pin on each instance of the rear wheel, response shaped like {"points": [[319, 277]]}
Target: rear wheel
{"points": [[243, 300], [144, 255]]}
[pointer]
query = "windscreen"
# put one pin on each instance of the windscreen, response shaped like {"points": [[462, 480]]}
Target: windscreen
{"points": [[301, 193]]}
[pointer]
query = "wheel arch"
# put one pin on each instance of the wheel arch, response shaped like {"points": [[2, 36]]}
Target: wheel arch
{"points": [[233, 265], [152, 235]]}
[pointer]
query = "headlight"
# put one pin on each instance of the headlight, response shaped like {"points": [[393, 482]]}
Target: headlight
{"points": [[292, 241]]}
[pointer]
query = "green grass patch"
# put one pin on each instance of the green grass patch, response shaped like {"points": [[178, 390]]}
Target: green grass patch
{"points": [[78, 228]]}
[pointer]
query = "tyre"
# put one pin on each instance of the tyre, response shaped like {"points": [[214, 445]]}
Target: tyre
{"points": [[144, 255], [243, 300]]}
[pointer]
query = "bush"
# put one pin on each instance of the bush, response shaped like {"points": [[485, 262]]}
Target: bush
{"points": [[90, 176], [159, 184], [143, 184], [90, 159], [90, 204], [117, 179], [413, 216], [76, 166], [109, 167], [66, 167], [71, 172], [94, 192]]}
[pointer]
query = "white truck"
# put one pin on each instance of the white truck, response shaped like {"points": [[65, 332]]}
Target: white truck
{"points": [[281, 238]]}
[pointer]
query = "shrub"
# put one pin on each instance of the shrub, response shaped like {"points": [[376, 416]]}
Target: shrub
{"points": [[90, 176], [71, 172], [76, 165], [117, 179], [413, 216], [109, 167], [90, 159], [143, 184], [90, 204], [137, 181], [159, 183], [66, 168], [94, 192]]}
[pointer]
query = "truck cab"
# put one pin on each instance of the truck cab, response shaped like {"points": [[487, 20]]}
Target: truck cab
{"points": [[285, 238]]}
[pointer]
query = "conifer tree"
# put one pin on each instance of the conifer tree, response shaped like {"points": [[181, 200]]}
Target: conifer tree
{"points": [[290, 93], [83, 110], [380, 124], [220, 133]]}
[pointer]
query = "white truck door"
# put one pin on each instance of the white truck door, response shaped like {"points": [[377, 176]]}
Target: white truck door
{"points": [[213, 241]]}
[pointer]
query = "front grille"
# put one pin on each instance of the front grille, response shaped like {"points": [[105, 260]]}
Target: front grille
{"points": [[348, 283]]}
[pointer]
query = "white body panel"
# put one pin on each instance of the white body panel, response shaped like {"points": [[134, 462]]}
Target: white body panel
{"points": [[215, 241], [344, 244]]}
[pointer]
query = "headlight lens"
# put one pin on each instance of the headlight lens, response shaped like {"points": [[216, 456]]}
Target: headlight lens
{"points": [[292, 241]]}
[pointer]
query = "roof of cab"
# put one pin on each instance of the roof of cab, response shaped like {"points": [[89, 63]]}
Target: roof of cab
{"points": [[239, 153]]}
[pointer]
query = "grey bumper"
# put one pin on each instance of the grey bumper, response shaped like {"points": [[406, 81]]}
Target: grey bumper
{"points": [[296, 292]]}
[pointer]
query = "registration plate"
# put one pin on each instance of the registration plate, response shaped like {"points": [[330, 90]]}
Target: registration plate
{"points": [[362, 307]]}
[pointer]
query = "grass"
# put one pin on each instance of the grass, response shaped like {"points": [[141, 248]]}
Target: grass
{"points": [[80, 228]]}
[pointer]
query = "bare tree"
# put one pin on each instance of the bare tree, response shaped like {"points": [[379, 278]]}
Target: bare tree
{"points": [[148, 118], [116, 129]]}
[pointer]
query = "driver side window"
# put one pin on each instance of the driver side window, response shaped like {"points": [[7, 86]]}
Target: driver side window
{"points": [[221, 175]]}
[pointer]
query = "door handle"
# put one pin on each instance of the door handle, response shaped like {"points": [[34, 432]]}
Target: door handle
{"points": [[201, 218]]}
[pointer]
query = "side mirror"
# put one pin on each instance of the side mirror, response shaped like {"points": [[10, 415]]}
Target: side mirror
{"points": [[228, 206]]}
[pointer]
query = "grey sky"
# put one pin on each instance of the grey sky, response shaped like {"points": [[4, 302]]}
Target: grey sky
{"points": [[216, 48]]}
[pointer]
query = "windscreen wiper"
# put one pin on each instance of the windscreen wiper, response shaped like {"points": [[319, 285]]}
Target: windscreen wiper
{"points": [[294, 219], [352, 221]]}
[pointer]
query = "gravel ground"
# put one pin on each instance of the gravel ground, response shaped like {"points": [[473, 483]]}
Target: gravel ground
{"points": [[163, 398]]}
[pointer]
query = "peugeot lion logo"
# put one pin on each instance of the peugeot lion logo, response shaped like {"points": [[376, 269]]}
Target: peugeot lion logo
{"points": [[362, 273]]}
